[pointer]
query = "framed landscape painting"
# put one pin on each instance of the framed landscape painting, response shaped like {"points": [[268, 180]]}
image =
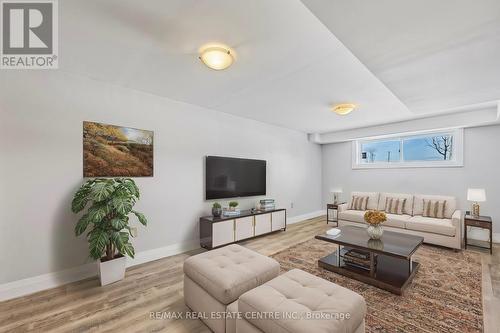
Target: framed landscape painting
{"points": [[115, 151]]}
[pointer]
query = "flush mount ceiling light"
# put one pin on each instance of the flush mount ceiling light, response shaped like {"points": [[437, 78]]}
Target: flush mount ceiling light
{"points": [[343, 109], [216, 57]]}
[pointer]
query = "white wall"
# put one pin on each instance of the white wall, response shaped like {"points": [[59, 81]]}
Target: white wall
{"points": [[41, 115], [481, 165]]}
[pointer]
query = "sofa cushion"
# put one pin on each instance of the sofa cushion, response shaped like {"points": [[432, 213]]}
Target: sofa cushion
{"points": [[394, 205], [434, 208], [408, 206], [228, 272], [429, 224], [358, 203], [397, 221], [418, 204], [352, 215], [302, 294], [372, 198]]}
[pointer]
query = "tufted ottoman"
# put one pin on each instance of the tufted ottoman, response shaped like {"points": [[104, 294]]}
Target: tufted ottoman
{"points": [[300, 302], [214, 280]]}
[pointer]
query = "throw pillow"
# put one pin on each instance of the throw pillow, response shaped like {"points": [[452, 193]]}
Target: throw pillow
{"points": [[358, 203], [434, 208], [394, 205]]}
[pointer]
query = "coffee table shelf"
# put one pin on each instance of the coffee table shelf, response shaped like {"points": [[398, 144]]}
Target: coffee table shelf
{"points": [[391, 274], [391, 264]]}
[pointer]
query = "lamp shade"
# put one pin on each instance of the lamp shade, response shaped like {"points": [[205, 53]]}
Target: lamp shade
{"points": [[336, 190], [476, 194]]}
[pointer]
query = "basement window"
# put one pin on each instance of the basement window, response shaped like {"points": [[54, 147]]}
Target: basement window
{"points": [[424, 149]]}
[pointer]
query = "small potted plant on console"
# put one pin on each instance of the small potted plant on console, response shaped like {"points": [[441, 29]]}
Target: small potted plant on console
{"points": [[233, 205], [216, 209], [109, 202]]}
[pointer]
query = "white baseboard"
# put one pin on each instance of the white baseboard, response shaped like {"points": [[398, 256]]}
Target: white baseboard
{"points": [[34, 284], [300, 218], [162, 252], [46, 281]]}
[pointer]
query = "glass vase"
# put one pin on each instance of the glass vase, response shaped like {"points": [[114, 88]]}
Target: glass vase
{"points": [[375, 231]]}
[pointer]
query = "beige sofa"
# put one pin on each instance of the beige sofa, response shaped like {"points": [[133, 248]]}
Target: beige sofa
{"points": [[445, 232]]}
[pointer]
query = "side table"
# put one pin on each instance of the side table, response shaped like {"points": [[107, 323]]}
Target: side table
{"points": [[330, 210], [483, 222]]}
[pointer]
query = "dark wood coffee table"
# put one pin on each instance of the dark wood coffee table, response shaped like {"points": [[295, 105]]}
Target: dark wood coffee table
{"points": [[389, 264]]}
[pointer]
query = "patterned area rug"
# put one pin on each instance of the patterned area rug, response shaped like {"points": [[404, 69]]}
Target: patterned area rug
{"points": [[445, 295]]}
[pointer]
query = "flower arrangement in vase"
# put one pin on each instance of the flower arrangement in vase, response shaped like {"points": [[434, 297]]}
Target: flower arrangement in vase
{"points": [[375, 218]]}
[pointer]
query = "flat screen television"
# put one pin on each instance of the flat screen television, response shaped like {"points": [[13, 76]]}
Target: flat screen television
{"points": [[227, 177]]}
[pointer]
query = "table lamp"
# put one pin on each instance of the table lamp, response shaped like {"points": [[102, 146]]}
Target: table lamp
{"points": [[336, 195], [476, 195]]}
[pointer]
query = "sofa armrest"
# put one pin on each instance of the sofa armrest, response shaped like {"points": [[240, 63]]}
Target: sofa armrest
{"points": [[456, 220], [342, 207]]}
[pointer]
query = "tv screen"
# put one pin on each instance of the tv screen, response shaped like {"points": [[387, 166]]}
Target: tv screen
{"points": [[227, 177]]}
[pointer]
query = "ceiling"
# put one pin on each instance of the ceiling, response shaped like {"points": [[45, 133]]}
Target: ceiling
{"points": [[434, 55], [293, 62]]}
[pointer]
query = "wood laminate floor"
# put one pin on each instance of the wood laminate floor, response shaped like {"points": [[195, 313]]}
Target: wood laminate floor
{"points": [[126, 306]]}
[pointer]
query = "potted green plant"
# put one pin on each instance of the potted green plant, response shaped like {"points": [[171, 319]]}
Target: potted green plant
{"points": [[216, 209], [233, 205], [109, 202]]}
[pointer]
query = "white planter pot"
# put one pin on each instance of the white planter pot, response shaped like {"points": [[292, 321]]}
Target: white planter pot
{"points": [[112, 270]]}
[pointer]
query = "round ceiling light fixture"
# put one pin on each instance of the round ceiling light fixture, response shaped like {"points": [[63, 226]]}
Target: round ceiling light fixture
{"points": [[217, 57], [343, 109]]}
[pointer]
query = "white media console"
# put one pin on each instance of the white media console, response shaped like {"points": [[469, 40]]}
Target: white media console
{"points": [[219, 231]]}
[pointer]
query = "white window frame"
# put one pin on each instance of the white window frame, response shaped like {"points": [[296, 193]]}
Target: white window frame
{"points": [[457, 154]]}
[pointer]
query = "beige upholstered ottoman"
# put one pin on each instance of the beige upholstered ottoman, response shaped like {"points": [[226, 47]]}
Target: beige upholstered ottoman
{"points": [[214, 280], [300, 302]]}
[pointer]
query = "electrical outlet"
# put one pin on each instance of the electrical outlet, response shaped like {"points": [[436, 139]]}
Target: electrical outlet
{"points": [[133, 231], [291, 205]]}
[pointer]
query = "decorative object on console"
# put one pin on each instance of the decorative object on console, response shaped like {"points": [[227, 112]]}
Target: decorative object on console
{"points": [[374, 218], [476, 195], [216, 209], [228, 212], [232, 210], [116, 151], [110, 201], [233, 205], [337, 192], [267, 204]]}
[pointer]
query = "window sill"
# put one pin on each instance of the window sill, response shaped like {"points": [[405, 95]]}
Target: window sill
{"points": [[407, 165]]}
